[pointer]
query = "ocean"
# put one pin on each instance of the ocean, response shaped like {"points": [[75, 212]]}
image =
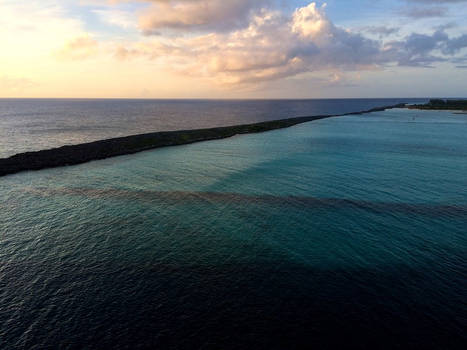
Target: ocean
{"points": [[347, 232]]}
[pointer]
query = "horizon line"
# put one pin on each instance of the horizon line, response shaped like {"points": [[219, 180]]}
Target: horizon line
{"points": [[227, 98]]}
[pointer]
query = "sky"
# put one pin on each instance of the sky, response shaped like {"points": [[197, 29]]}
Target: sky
{"points": [[233, 48]]}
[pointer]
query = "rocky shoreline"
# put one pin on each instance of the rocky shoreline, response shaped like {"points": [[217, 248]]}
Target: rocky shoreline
{"points": [[82, 153]]}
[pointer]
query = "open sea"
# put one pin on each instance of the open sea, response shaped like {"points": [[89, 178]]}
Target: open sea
{"points": [[347, 232]]}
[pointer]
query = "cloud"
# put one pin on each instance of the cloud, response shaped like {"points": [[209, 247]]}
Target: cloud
{"points": [[197, 14], [79, 48], [179, 15], [309, 21], [275, 46], [428, 8], [15, 84], [272, 46], [424, 50], [381, 31], [34, 25], [246, 49], [424, 12], [446, 26], [460, 60], [455, 45]]}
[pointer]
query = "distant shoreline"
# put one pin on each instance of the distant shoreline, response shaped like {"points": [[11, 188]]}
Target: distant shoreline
{"points": [[97, 150], [442, 105]]}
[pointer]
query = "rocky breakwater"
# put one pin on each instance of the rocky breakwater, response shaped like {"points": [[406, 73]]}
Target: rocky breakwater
{"points": [[82, 153]]}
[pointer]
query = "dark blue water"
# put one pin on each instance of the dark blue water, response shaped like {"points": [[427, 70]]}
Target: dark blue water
{"points": [[347, 232], [35, 124]]}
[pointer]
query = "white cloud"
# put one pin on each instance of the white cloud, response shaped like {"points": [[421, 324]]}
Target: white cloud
{"points": [[310, 21]]}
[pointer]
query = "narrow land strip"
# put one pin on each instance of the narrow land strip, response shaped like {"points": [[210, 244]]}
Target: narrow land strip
{"points": [[82, 153]]}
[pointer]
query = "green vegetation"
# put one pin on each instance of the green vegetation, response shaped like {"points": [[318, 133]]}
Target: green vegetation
{"points": [[440, 104]]}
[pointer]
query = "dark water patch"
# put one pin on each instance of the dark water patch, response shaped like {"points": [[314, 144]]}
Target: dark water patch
{"points": [[233, 306], [182, 197]]}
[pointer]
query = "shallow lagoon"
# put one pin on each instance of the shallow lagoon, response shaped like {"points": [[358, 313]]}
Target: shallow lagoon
{"points": [[345, 230]]}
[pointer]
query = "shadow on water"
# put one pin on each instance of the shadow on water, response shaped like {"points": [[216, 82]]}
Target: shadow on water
{"points": [[234, 306], [156, 302], [181, 197]]}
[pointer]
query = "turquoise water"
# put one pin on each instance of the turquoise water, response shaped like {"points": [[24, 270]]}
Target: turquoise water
{"points": [[346, 230]]}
